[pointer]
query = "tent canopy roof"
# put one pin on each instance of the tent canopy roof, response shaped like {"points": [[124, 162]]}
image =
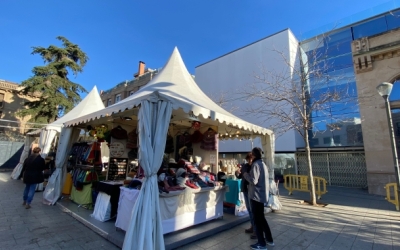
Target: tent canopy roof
{"points": [[91, 103], [174, 83]]}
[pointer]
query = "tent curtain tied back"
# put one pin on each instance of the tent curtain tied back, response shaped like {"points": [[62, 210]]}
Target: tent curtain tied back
{"points": [[145, 228], [56, 181]]}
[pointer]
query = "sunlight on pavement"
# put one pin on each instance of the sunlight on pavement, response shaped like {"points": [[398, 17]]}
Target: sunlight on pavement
{"points": [[3, 179]]}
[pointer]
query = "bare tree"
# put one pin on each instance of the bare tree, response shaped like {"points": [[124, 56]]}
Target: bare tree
{"points": [[308, 96], [224, 100]]}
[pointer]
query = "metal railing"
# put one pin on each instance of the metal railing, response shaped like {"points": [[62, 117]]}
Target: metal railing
{"points": [[300, 183], [395, 196]]}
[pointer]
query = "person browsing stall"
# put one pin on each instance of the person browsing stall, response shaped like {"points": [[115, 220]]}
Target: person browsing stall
{"points": [[258, 179], [245, 168]]}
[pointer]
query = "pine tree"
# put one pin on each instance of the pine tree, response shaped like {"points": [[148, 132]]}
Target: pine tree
{"points": [[55, 93]]}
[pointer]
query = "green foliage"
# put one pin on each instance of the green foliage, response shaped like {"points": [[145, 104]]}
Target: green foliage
{"points": [[50, 83]]}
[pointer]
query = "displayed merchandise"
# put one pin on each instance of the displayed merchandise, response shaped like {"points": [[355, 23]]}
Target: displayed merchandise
{"points": [[117, 169], [118, 148], [67, 185], [169, 145], [119, 133], [85, 153], [210, 140], [132, 142], [232, 196], [184, 147], [197, 137], [83, 178]]}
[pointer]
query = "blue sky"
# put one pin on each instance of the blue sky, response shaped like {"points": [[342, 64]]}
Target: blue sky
{"points": [[116, 35]]}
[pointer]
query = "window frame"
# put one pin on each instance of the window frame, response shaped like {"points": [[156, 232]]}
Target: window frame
{"points": [[117, 98]]}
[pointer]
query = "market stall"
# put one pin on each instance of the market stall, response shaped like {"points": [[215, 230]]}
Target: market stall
{"points": [[170, 105], [91, 103]]}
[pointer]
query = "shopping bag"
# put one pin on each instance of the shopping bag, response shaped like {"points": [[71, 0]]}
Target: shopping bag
{"points": [[274, 203], [241, 210]]}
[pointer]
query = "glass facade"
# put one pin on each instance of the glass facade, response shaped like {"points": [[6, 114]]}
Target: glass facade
{"points": [[284, 164], [330, 69]]}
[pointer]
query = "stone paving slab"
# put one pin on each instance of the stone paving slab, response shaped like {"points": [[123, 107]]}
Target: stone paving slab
{"points": [[42, 226], [352, 225]]}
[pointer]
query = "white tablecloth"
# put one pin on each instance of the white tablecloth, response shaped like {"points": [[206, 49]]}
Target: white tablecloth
{"points": [[102, 209], [127, 199], [207, 205]]}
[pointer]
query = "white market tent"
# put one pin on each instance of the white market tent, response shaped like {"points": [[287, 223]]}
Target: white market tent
{"points": [[91, 103], [172, 95]]}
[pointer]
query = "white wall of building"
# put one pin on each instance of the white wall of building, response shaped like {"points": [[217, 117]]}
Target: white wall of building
{"points": [[226, 75]]}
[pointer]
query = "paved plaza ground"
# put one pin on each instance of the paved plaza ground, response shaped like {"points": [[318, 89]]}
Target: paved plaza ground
{"points": [[353, 219]]}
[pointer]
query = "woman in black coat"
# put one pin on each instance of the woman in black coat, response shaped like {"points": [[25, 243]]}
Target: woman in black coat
{"points": [[32, 175]]}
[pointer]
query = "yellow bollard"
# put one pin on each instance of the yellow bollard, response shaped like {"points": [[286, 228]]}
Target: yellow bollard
{"points": [[394, 201]]}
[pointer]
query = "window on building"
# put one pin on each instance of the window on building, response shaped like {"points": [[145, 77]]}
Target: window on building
{"points": [[393, 20], [1, 100], [336, 139], [314, 142], [117, 98], [370, 28], [360, 137], [327, 140], [398, 128], [1, 123], [109, 102]]}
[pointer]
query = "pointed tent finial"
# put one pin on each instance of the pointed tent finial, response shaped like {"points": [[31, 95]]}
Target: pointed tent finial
{"points": [[94, 88]]}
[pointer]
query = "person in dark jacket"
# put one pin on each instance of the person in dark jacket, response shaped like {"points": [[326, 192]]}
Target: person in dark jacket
{"points": [[244, 188], [258, 179], [32, 175]]}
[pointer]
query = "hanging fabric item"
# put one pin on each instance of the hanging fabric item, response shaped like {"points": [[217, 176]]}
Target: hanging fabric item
{"points": [[119, 133], [184, 140], [105, 152], [169, 145], [197, 136], [210, 140], [132, 139]]}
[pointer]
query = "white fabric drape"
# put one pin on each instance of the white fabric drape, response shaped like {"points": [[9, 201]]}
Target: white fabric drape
{"points": [[45, 140], [56, 181], [145, 228], [17, 170]]}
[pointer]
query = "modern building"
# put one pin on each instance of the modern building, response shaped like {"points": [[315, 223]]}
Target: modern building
{"points": [[350, 143]]}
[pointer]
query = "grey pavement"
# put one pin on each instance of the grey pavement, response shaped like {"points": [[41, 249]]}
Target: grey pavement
{"points": [[42, 226], [352, 219]]}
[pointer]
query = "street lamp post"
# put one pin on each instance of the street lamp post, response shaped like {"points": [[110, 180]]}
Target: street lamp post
{"points": [[384, 89]]}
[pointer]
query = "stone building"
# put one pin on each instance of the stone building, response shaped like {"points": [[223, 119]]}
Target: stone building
{"points": [[127, 88], [377, 59], [12, 127]]}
